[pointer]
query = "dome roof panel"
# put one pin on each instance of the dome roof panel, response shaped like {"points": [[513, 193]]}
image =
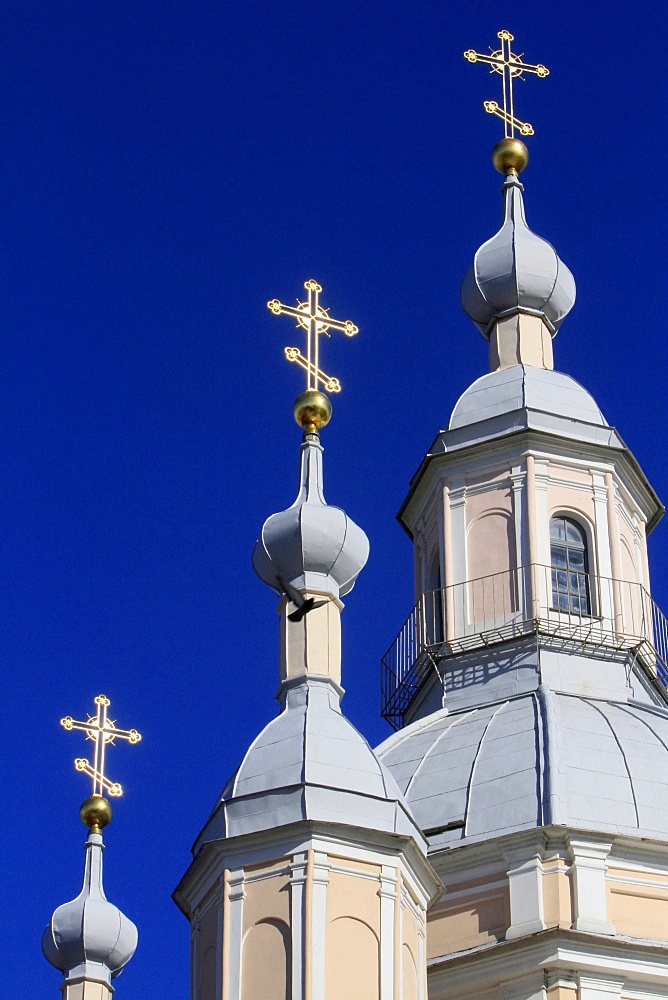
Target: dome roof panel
{"points": [[309, 763], [515, 270], [499, 769], [311, 545], [523, 387]]}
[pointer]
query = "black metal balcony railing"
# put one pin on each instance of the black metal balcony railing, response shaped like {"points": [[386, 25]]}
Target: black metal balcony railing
{"points": [[589, 609]]}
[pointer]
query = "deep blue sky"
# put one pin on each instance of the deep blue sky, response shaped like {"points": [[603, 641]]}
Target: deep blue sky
{"points": [[166, 169]]}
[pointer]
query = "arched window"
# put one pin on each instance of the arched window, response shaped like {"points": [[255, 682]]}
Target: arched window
{"points": [[570, 567]]}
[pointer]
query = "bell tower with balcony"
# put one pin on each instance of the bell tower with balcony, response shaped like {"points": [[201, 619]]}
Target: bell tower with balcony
{"points": [[529, 515], [528, 684]]}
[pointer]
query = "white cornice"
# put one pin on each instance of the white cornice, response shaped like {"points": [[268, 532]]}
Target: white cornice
{"points": [[591, 954], [551, 447]]}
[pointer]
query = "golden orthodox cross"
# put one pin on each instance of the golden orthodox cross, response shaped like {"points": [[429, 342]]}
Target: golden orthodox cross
{"points": [[311, 316], [102, 730], [510, 66]]}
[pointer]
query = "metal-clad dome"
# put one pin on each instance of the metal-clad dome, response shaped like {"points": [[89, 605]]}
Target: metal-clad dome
{"points": [[533, 760], [516, 271], [309, 763], [311, 545], [89, 936], [524, 387]]}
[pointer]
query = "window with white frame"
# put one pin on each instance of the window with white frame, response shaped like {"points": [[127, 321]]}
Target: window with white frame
{"points": [[570, 567]]}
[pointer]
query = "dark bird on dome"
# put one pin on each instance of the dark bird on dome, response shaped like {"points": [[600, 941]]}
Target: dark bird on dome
{"points": [[304, 604]]}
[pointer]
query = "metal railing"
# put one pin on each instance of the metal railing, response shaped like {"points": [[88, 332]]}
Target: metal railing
{"points": [[582, 607]]}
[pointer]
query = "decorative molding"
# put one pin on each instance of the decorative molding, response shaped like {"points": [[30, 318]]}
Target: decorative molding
{"points": [[528, 987], [387, 891], [565, 978], [493, 486], [588, 879], [525, 883], [599, 987], [285, 869], [482, 890]]}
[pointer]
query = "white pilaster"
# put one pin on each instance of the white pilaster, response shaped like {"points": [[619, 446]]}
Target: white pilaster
{"points": [[420, 560], [218, 902], [518, 480], [615, 555], [236, 896], [588, 880], [601, 556], [422, 956], [458, 545], [543, 586], [638, 535], [448, 577], [542, 478], [525, 883], [321, 868], [387, 893], [297, 883]]}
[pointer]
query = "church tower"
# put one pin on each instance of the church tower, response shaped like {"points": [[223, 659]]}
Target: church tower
{"points": [[528, 684], [309, 879], [89, 939]]}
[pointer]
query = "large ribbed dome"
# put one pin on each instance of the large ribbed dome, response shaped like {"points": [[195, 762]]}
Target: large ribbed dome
{"points": [[540, 758], [516, 271]]}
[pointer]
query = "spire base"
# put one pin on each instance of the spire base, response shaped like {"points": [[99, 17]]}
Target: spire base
{"points": [[311, 644], [520, 339]]}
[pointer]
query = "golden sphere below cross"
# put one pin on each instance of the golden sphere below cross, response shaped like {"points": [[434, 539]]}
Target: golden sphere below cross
{"points": [[312, 410], [95, 812], [510, 156]]}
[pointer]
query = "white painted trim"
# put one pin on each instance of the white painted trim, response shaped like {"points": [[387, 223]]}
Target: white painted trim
{"points": [[319, 924], [525, 884], [387, 892], [599, 987], [475, 891], [236, 897], [588, 878], [274, 873], [297, 883], [640, 882], [421, 958], [219, 947]]}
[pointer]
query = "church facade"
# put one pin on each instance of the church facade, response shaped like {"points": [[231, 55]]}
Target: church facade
{"points": [[510, 839]]}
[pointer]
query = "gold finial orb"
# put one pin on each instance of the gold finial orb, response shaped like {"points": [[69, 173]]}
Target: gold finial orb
{"points": [[510, 156], [312, 410], [95, 812]]}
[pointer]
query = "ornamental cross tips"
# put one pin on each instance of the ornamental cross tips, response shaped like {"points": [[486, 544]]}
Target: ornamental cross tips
{"points": [[510, 66], [313, 318], [101, 730]]}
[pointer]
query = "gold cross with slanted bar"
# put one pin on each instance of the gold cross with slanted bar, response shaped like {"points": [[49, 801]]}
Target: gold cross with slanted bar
{"points": [[102, 730], [313, 318], [510, 66]]}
